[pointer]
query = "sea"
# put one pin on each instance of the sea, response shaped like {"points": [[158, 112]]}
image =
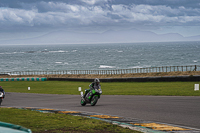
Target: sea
{"points": [[105, 56]]}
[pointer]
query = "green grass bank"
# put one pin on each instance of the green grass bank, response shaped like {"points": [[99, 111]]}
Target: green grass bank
{"points": [[111, 88], [58, 123]]}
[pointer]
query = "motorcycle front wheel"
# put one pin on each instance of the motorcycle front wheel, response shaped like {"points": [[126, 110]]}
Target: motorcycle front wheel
{"points": [[83, 103], [0, 101], [94, 100]]}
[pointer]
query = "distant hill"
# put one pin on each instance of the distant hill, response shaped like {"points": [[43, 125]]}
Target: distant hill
{"points": [[125, 36]]}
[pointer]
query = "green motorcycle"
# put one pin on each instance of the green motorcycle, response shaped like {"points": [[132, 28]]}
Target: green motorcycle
{"points": [[91, 96]]}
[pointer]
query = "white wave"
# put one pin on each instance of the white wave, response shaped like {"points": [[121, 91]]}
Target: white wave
{"points": [[58, 62], [120, 51], [11, 74], [104, 66], [59, 51], [18, 52], [136, 67], [195, 61], [145, 66], [5, 53], [31, 51], [74, 50], [13, 53]]}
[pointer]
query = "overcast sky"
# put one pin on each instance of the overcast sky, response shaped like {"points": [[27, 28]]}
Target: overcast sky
{"points": [[94, 16]]}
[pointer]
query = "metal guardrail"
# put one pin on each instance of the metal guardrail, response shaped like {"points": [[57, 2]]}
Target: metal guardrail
{"points": [[110, 71], [23, 79], [7, 127]]}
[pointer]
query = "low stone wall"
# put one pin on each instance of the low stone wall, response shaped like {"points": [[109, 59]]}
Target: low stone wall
{"points": [[138, 79]]}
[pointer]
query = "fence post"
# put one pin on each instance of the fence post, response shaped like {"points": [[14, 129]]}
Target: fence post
{"points": [[195, 68]]}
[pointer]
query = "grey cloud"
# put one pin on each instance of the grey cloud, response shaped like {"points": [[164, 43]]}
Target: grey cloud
{"points": [[95, 2], [170, 3], [113, 16], [78, 13]]}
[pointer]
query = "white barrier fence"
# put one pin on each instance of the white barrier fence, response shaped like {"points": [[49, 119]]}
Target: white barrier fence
{"points": [[110, 71]]}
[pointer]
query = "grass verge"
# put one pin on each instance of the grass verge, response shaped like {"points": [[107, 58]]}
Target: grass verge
{"points": [[58, 123], [112, 88]]}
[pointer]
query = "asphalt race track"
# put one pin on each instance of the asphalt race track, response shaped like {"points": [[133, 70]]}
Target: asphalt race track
{"points": [[178, 110]]}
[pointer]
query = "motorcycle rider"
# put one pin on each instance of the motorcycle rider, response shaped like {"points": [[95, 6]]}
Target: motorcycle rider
{"points": [[93, 85], [1, 90]]}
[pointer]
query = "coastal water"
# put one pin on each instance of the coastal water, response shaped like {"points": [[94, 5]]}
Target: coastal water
{"points": [[97, 56]]}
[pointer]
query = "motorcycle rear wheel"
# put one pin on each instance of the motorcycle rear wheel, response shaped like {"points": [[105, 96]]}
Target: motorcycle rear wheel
{"points": [[94, 100]]}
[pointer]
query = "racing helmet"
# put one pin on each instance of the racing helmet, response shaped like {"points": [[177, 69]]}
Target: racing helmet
{"points": [[96, 80]]}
